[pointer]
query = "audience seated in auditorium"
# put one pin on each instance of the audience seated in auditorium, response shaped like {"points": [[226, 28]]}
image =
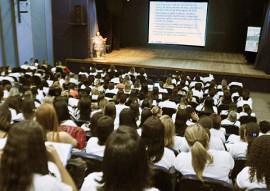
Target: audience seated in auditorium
{"points": [[46, 116], [257, 172], [237, 138], [30, 169], [217, 130], [127, 117], [170, 139], [240, 150], [5, 124], [231, 120], [125, 165], [264, 128], [215, 143], [153, 136], [63, 116], [207, 107], [181, 118], [201, 161], [104, 127]]}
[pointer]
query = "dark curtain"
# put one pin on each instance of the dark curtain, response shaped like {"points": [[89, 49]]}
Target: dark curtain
{"points": [[263, 57], [93, 24]]}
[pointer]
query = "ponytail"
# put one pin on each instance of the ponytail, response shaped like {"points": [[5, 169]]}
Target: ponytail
{"points": [[200, 156], [198, 140]]}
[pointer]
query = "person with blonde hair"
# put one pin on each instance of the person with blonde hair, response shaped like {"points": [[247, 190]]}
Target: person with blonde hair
{"points": [[46, 116], [203, 161], [170, 140]]}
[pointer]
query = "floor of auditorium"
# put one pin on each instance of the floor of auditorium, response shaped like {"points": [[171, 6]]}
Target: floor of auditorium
{"points": [[185, 60]]}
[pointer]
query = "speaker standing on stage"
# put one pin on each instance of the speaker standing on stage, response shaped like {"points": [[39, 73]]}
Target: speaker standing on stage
{"points": [[99, 44]]}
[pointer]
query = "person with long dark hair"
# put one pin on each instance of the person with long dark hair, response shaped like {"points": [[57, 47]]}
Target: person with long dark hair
{"points": [[257, 172], [125, 165], [153, 134], [24, 162]]}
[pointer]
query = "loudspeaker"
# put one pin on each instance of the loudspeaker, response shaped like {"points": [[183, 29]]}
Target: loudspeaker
{"points": [[79, 14]]}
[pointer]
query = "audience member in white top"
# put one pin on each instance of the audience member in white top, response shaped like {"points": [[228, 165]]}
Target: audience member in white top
{"points": [[29, 170], [237, 138], [236, 83], [207, 106], [215, 143], [46, 116], [246, 111], [63, 115], [125, 165], [245, 99], [153, 135], [264, 128], [240, 150], [104, 127], [119, 107], [217, 130], [231, 120], [166, 102], [168, 83], [197, 91], [133, 72], [201, 161], [257, 172], [170, 140]]}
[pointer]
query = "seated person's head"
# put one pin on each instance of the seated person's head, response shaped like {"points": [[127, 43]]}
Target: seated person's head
{"points": [[264, 126], [125, 165], [5, 118], [104, 127]]}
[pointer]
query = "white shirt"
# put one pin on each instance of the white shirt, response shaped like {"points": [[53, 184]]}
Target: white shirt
{"points": [[238, 150], [215, 143], [200, 107], [167, 159], [90, 182], [218, 133], [241, 102], [228, 122], [243, 181], [222, 164], [233, 139], [178, 142], [167, 104], [48, 183], [94, 148], [69, 122]]}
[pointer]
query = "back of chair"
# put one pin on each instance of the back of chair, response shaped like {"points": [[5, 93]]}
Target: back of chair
{"points": [[239, 164], [163, 179], [192, 183], [94, 162], [259, 189]]}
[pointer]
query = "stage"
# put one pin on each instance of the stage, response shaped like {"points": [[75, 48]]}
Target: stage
{"points": [[228, 65]]}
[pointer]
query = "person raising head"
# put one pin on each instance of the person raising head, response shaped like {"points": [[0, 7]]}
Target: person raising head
{"points": [[202, 161], [24, 162], [125, 165]]}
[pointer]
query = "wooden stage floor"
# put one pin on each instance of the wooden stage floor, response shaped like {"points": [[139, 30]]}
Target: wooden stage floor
{"points": [[181, 60]]}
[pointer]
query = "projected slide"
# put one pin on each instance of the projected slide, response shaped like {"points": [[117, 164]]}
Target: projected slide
{"points": [[182, 23], [253, 36]]}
